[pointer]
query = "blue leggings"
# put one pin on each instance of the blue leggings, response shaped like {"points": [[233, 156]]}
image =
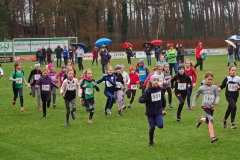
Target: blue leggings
{"points": [[154, 121], [189, 93], [110, 100]]}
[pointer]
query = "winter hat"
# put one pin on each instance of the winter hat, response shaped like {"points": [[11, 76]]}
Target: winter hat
{"points": [[131, 68], [117, 67], [36, 65], [153, 77], [63, 67], [50, 65], [180, 67], [141, 61], [122, 66], [171, 44]]}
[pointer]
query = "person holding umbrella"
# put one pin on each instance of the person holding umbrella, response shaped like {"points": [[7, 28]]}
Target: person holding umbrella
{"points": [[104, 58], [95, 55], [129, 53], [80, 53], [231, 55], [147, 50]]}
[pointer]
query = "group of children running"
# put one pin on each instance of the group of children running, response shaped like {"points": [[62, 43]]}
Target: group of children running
{"points": [[118, 83]]}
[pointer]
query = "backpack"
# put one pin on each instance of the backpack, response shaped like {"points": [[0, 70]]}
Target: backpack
{"points": [[14, 77]]}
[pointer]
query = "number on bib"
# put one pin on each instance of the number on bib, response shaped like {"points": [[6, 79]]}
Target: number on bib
{"points": [[133, 86], [182, 86], [142, 73], [208, 98], [46, 87], [118, 84], [89, 91], [53, 77], [19, 80], [37, 76], [71, 87], [156, 96], [232, 87], [108, 84]]}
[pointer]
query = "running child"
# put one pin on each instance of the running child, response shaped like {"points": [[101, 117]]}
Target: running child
{"points": [[182, 82], [133, 85], [118, 89], [154, 100], [232, 84], [81, 91], [17, 77], [68, 90], [167, 84], [45, 83], [126, 80], [110, 83], [143, 73], [70, 63], [52, 75], [61, 74], [161, 61], [1, 71], [211, 98], [190, 71], [88, 84]]}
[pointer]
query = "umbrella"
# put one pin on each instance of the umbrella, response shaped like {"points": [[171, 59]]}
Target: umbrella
{"points": [[149, 44], [234, 37], [157, 42], [83, 46], [102, 41], [126, 44], [231, 43]]}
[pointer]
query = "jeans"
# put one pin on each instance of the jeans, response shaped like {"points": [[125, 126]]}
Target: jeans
{"points": [[76, 59], [80, 65], [59, 59], [104, 66], [171, 66], [231, 57], [39, 60], [153, 121], [182, 58], [149, 59], [65, 60]]}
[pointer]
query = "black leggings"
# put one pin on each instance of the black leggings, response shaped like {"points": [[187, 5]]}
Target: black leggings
{"points": [[129, 59], [232, 108], [94, 60], [199, 62], [169, 91], [60, 60], [80, 65], [181, 99], [129, 93], [46, 100], [65, 60], [142, 87]]}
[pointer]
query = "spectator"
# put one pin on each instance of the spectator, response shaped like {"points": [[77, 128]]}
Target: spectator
{"points": [[231, 55], [147, 50], [238, 46], [44, 54], [39, 55], [80, 53], [49, 55], [95, 55], [199, 56], [70, 52], [171, 55], [129, 54], [65, 55], [104, 58], [178, 54], [59, 55], [182, 52]]}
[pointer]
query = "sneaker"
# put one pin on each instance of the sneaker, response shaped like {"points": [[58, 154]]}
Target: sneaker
{"points": [[54, 105], [164, 112], [30, 93], [224, 123], [150, 144], [22, 110], [90, 121], [44, 116], [213, 139], [73, 116], [13, 102], [129, 107], [82, 102], [170, 106], [233, 126], [108, 111], [189, 108], [124, 107], [39, 107], [105, 113], [120, 113], [199, 122], [177, 118], [67, 124]]}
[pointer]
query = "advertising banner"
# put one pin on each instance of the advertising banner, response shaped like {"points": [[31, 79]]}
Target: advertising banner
{"points": [[8, 59]]}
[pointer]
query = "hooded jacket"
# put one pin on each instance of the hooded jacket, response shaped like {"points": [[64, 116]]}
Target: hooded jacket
{"points": [[34, 76], [154, 100], [45, 84], [59, 52], [142, 71], [198, 50]]}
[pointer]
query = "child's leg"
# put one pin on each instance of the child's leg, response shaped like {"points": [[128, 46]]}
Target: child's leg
{"points": [[48, 99], [181, 100], [44, 101], [33, 91], [92, 108], [151, 121], [142, 87], [209, 115], [20, 92], [232, 108], [15, 93], [189, 93], [128, 93], [159, 121], [38, 96], [169, 91], [123, 91], [67, 109], [74, 106], [119, 97], [110, 100], [133, 96], [54, 95]]}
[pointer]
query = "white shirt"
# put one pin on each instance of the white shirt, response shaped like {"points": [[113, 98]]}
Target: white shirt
{"points": [[80, 52], [1, 72]]}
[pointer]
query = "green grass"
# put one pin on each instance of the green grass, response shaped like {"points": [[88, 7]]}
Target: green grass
{"points": [[29, 136]]}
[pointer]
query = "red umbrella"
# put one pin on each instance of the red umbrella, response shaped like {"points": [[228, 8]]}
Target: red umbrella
{"points": [[126, 44], [156, 42]]}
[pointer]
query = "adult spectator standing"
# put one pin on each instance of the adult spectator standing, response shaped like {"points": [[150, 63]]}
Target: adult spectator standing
{"points": [[129, 53], [171, 56], [44, 55], [178, 54], [199, 56], [39, 55], [182, 53], [104, 58], [65, 55], [49, 55], [80, 53], [75, 55], [95, 55], [71, 55], [147, 50], [157, 53], [231, 55], [236, 51], [59, 55], [238, 46]]}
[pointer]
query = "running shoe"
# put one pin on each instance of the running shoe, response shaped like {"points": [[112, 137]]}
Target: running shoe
{"points": [[22, 110], [120, 113], [30, 93], [54, 105], [67, 124], [124, 107], [39, 107], [44, 116], [170, 106], [233, 126], [90, 121], [108, 111], [105, 113], [13, 102], [164, 112], [199, 122], [129, 107], [177, 117], [150, 144], [73, 116], [224, 123], [213, 139]]}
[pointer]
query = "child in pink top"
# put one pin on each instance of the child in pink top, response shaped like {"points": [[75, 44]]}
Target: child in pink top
{"points": [[61, 75], [52, 75]]}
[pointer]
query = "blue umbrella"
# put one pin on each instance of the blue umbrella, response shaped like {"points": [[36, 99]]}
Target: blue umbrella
{"points": [[83, 46], [234, 37], [102, 41]]}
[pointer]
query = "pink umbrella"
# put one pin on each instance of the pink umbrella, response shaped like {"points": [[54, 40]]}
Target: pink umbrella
{"points": [[156, 42], [126, 44]]}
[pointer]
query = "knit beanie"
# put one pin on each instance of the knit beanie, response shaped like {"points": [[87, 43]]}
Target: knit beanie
{"points": [[141, 61], [171, 44], [180, 67], [153, 77], [50, 65], [117, 67], [36, 65], [131, 68]]}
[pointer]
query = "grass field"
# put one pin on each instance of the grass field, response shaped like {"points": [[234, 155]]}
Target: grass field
{"points": [[29, 136]]}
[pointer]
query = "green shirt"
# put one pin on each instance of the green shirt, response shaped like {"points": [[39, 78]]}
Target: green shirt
{"points": [[19, 78], [171, 55], [89, 90]]}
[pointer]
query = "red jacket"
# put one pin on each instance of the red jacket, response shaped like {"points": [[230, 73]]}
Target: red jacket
{"points": [[134, 79], [95, 53], [192, 74], [198, 50]]}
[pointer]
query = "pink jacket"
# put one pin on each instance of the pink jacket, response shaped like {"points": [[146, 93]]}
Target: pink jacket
{"points": [[52, 75], [61, 75]]}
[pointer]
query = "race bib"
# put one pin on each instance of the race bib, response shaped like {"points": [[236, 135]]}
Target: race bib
{"points": [[142, 73], [89, 91], [232, 87], [19, 80], [133, 86], [208, 99], [190, 77], [182, 86], [45, 87], [108, 84], [118, 84], [37, 76], [71, 87], [53, 77], [156, 96]]}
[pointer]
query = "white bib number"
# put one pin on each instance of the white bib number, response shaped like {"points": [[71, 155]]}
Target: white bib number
{"points": [[46, 87], [89, 91], [133, 86], [71, 87], [19, 80], [182, 86], [53, 77], [37, 76], [118, 84], [190, 77], [156, 96], [142, 73], [208, 99], [108, 84], [232, 87]]}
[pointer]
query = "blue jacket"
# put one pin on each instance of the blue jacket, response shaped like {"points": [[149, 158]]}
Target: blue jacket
{"points": [[110, 83], [154, 100], [143, 72], [65, 52]]}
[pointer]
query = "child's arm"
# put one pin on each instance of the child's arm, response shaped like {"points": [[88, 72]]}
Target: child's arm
{"points": [[223, 85], [53, 84], [95, 86], [38, 83], [195, 78], [24, 80], [30, 76], [217, 96], [172, 81], [63, 87], [194, 101], [1, 72], [147, 80], [144, 98], [100, 80]]}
